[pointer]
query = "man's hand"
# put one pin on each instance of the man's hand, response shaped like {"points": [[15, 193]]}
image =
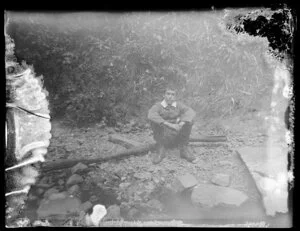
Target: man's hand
{"points": [[181, 124], [176, 127]]}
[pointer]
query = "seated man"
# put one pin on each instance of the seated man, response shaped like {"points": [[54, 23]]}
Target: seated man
{"points": [[171, 123]]}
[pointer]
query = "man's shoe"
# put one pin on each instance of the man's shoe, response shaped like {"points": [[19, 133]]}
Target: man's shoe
{"points": [[159, 155], [186, 154]]}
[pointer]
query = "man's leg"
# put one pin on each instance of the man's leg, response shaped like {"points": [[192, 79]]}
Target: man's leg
{"points": [[158, 134], [183, 141]]}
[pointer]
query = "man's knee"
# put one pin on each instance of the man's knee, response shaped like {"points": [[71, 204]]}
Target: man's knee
{"points": [[187, 128]]}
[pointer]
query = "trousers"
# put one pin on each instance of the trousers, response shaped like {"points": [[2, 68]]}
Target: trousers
{"points": [[170, 138]]}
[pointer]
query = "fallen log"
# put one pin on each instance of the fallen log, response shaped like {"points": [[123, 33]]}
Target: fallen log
{"points": [[208, 139], [117, 139], [56, 165], [138, 150]]}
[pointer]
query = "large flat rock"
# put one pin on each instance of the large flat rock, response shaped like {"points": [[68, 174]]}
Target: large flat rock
{"points": [[209, 195], [268, 167], [268, 159], [59, 207], [183, 182]]}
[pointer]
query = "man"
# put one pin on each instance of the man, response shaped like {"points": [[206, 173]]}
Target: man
{"points": [[171, 122]]}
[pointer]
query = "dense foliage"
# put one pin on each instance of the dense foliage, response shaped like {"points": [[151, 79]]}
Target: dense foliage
{"points": [[113, 67]]}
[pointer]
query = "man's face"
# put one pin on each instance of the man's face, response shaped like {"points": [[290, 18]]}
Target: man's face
{"points": [[170, 96]]}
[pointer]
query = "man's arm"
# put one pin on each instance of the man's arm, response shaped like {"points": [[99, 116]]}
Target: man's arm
{"points": [[187, 113], [154, 116]]}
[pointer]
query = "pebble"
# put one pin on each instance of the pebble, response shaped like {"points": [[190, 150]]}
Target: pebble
{"points": [[74, 179], [78, 168], [74, 189], [93, 198], [61, 181]]}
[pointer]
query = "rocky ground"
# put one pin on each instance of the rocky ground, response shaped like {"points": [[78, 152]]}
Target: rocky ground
{"points": [[216, 188]]}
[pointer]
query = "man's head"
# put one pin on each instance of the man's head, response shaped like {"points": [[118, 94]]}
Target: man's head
{"points": [[170, 95]]}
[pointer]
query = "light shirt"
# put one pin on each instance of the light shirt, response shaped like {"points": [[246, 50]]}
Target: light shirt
{"points": [[165, 104]]}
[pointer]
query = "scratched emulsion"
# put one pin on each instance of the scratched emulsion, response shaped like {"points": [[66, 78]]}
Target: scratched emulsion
{"points": [[278, 144]]}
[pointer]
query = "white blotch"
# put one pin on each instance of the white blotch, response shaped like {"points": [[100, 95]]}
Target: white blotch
{"points": [[273, 104], [273, 129], [288, 137], [287, 92]]}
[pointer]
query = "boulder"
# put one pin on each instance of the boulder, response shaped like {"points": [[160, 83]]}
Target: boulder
{"points": [[183, 182], [113, 213], [124, 207], [58, 207], [74, 179], [50, 191], [155, 204], [86, 206], [209, 195], [133, 213], [55, 196], [221, 179], [78, 168], [73, 190]]}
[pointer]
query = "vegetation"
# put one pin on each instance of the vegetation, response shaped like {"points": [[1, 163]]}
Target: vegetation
{"points": [[113, 67]]}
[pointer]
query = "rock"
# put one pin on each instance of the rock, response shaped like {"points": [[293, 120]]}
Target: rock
{"points": [[74, 179], [86, 206], [155, 204], [221, 179], [124, 185], [225, 163], [61, 195], [32, 197], [40, 191], [143, 175], [183, 182], [124, 207], [50, 191], [113, 213], [150, 187], [210, 195], [156, 180], [58, 207], [73, 190], [44, 180], [78, 168], [61, 181], [133, 213], [93, 198]]}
